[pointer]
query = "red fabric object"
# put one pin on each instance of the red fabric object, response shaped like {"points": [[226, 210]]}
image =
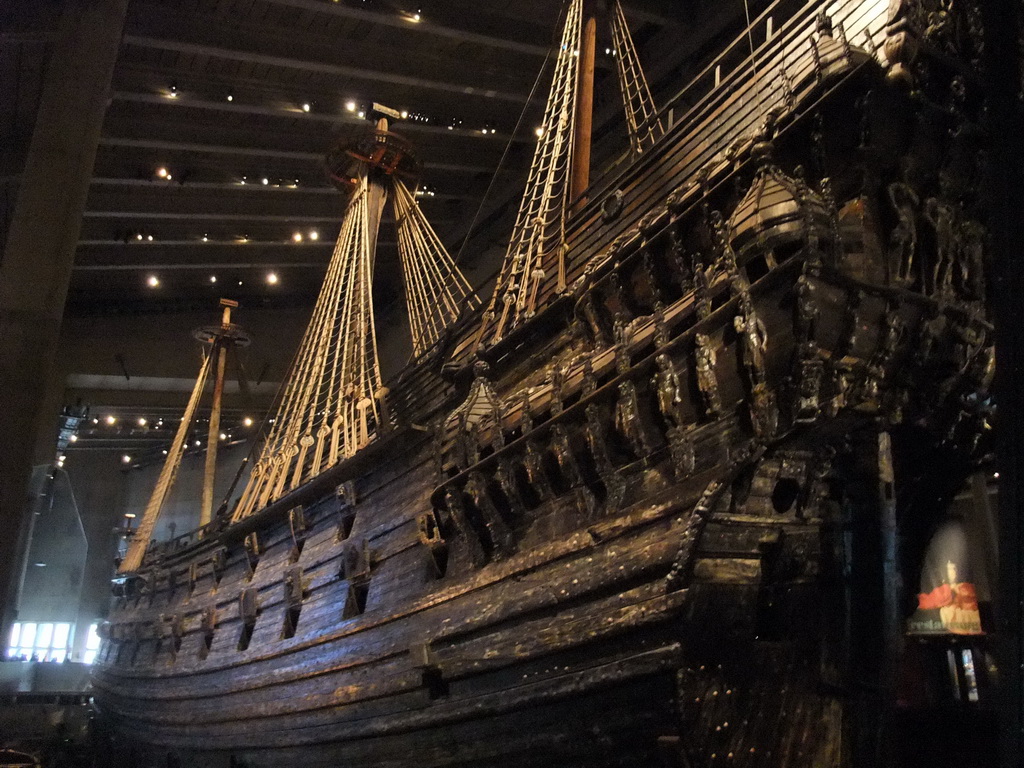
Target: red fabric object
{"points": [[937, 598], [965, 596]]}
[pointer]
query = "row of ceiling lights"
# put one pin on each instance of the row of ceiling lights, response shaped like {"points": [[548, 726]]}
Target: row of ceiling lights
{"points": [[111, 420], [361, 110], [271, 278], [297, 236]]}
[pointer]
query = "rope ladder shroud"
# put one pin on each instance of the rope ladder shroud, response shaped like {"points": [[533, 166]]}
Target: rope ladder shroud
{"points": [[645, 128], [333, 401]]}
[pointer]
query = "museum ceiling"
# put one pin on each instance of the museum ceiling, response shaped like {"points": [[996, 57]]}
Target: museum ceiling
{"points": [[209, 177]]}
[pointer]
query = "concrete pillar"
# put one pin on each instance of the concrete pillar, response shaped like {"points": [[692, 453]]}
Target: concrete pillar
{"points": [[36, 267]]}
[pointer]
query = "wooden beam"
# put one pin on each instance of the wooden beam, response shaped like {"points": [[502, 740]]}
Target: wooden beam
{"points": [[324, 68]]}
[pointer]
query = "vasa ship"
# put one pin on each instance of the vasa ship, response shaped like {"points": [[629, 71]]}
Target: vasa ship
{"points": [[641, 506]]}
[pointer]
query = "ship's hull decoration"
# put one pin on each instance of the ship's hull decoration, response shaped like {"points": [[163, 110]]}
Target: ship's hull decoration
{"points": [[654, 522]]}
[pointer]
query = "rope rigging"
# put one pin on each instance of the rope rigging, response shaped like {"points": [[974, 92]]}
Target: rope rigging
{"points": [[435, 290], [538, 241], [641, 115], [333, 402], [538, 236]]}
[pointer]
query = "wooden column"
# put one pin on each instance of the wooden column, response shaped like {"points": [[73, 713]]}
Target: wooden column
{"points": [[36, 266], [584, 115]]}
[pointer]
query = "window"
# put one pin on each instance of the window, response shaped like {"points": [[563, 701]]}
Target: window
{"points": [[43, 641], [92, 644]]}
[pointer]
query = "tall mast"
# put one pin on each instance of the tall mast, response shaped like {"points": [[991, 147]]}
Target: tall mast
{"points": [[220, 351], [221, 338], [584, 113]]}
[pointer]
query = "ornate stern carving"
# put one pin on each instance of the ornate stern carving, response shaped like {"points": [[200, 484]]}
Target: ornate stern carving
{"points": [[754, 339], [707, 381], [597, 442], [457, 508], [810, 374], [629, 421], [496, 529], [903, 237], [670, 405], [533, 463], [428, 530]]}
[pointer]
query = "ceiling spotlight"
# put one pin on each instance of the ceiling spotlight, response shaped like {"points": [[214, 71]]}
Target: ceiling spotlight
{"points": [[297, 237], [138, 236], [142, 422], [223, 436], [306, 107], [239, 282], [198, 443], [247, 421], [206, 238], [362, 114], [272, 278], [213, 278], [405, 114], [995, 475], [131, 515], [161, 172], [230, 97], [165, 451], [149, 238], [314, 235], [111, 421], [73, 438], [153, 281], [350, 106], [126, 459], [539, 130], [265, 181]]}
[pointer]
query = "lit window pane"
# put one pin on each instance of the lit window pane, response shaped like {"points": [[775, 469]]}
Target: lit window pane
{"points": [[61, 632], [28, 634], [89, 657], [15, 634], [26, 652], [58, 654], [44, 635], [92, 642]]}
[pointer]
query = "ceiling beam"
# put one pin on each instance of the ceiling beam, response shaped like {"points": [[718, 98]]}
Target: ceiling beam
{"points": [[424, 26], [225, 265], [185, 215], [174, 187], [229, 54], [217, 149]]}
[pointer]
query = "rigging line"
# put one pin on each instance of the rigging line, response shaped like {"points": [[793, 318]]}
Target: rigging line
{"points": [[515, 132], [753, 62]]}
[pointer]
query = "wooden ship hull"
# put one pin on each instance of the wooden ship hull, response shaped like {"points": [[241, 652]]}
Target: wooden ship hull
{"points": [[656, 521]]}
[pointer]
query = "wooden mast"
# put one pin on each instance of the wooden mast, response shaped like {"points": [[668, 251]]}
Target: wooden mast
{"points": [[584, 115], [221, 351]]}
